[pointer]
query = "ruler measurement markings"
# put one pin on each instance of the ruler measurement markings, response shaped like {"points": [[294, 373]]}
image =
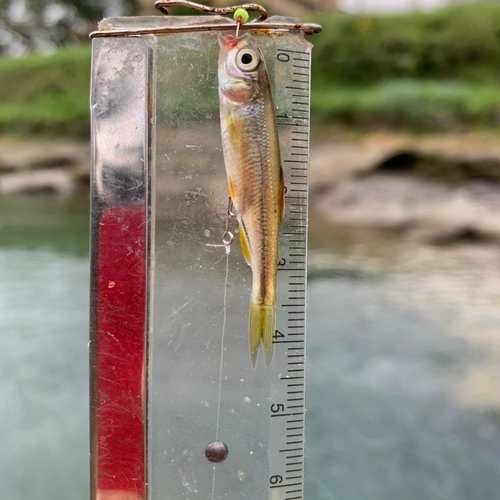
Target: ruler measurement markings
{"points": [[285, 485], [296, 277], [293, 51], [293, 124]]}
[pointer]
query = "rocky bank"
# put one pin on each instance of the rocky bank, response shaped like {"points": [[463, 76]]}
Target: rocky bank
{"points": [[438, 189]]}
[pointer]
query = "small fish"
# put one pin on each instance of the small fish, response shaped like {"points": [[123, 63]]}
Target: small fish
{"points": [[253, 166]]}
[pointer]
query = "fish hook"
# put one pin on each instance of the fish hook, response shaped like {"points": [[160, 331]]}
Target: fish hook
{"points": [[163, 5], [228, 236]]}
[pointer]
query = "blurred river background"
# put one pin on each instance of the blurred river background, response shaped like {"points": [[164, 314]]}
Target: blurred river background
{"points": [[404, 254]]}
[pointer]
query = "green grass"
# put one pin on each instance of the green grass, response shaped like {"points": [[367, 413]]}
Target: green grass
{"points": [[417, 105], [461, 42], [46, 94], [418, 71]]}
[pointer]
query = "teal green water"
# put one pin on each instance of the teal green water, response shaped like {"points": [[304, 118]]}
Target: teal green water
{"points": [[43, 358], [384, 420]]}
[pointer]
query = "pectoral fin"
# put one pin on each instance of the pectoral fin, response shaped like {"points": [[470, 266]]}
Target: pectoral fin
{"points": [[231, 189]]}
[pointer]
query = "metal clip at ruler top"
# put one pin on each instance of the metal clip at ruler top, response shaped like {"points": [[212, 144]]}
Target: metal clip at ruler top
{"points": [[177, 410]]}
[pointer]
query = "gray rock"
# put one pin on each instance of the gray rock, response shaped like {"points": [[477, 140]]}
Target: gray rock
{"points": [[438, 212], [21, 156], [57, 180]]}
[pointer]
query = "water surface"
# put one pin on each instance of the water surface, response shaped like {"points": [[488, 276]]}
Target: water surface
{"points": [[392, 412]]}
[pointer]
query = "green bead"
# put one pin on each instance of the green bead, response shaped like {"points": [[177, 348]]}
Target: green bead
{"points": [[243, 13]]}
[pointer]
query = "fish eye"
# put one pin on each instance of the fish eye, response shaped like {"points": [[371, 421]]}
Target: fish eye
{"points": [[247, 60]]}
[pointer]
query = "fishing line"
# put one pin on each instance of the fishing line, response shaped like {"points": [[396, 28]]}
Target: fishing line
{"points": [[221, 359], [240, 16], [222, 346], [227, 239]]}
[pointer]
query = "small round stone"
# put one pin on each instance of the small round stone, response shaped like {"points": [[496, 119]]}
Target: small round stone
{"points": [[216, 451]]}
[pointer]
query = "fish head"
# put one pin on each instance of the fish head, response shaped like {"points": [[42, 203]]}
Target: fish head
{"points": [[241, 67]]}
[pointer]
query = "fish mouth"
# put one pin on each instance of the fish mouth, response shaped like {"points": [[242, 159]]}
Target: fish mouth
{"points": [[228, 41]]}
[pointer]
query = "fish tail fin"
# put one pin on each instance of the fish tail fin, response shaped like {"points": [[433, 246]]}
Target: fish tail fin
{"points": [[262, 327]]}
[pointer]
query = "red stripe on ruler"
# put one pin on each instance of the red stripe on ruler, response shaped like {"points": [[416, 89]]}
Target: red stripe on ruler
{"points": [[121, 343]]}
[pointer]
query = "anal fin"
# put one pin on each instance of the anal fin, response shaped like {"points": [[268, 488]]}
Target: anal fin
{"points": [[244, 246]]}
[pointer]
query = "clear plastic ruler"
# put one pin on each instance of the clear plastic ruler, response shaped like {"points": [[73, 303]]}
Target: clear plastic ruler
{"points": [[259, 414], [194, 384], [287, 403]]}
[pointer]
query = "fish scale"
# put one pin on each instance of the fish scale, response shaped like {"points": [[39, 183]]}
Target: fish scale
{"points": [[251, 152]]}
